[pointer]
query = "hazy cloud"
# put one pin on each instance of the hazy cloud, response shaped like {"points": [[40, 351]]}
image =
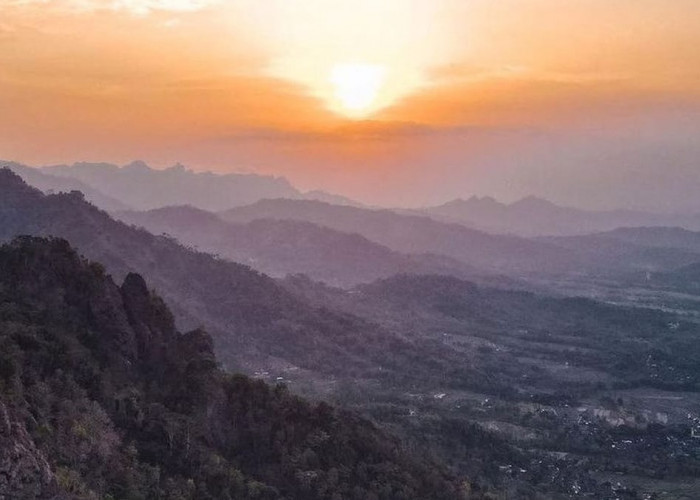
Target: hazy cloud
{"points": [[135, 7], [467, 73]]}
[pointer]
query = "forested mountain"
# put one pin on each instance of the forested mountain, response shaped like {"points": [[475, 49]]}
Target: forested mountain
{"points": [[524, 394], [255, 322], [280, 247], [102, 398], [418, 234], [533, 216]]}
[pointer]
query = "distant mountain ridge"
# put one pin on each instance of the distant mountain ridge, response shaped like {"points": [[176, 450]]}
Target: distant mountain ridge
{"points": [[416, 234], [281, 247], [102, 397], [137, 186], [142, 187], [533, 216], [433, 244], [615, 253], [253, 320], [49, 183]]}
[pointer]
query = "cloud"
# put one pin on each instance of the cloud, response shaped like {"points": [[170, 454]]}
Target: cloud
{"points": [[135, 7], [467, 73]]}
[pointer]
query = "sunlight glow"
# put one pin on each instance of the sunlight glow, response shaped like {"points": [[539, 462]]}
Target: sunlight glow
{"points": [[356, 86]]}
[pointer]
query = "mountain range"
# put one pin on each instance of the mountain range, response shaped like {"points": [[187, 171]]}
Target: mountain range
{"points": [[534, 216], [416, 234], [254, 321], [50, 183], [495, 382], [597, 254], [346, 244], [138, 186], [280, 247]]}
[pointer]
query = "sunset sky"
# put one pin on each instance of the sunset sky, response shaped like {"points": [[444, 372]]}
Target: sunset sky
{"points": [[591, 103]]}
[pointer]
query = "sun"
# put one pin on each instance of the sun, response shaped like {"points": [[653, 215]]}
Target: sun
{"points": [[356, 87]]}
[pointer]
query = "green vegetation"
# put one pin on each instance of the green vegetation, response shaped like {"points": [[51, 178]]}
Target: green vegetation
{"points": [[96, 382], [527, 395]]}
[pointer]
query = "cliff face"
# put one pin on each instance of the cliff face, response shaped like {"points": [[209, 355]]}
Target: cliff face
{"points": [[101, 397]]}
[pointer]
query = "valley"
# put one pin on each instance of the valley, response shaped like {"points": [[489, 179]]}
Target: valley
{"points": [[560, 384], [349, 250]]}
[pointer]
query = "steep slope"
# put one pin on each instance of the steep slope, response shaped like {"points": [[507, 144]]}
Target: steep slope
{"points": [[52, 183], [144, 188], [418, 234], [101, 397], [281, 247], [537, 217], [255, 323]]}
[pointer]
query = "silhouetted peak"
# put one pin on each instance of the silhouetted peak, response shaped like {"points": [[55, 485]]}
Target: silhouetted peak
{"points": [[137, 165], [135, 286], [474, 200], [143, 305], [177, 168], [485, 201], [530, 202], [197, 345], [151, 321]]}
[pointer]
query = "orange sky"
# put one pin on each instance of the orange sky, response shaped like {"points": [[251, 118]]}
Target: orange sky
{"points": [[455, 97]]}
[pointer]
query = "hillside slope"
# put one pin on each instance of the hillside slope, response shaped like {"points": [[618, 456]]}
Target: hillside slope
{"points": [[281, 247], [533, 216], [418, 234], [101, 397], [54, 184], [256, 324]]}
